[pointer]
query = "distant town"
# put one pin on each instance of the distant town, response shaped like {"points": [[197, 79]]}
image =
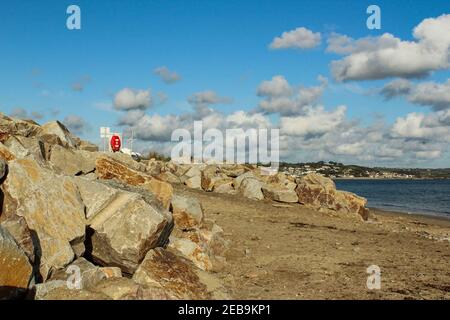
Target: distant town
{"points": [[336, 170]]}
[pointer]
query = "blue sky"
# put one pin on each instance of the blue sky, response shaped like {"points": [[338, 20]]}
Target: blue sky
{"points": [[221, 46]]}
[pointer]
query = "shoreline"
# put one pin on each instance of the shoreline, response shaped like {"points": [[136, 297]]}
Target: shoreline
{"points": [[429, 219]]}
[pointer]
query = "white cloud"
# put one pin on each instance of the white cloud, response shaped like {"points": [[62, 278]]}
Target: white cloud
{"points": [[130, 99], [315, 121], [435, 126], [432, 94], [278, 86], [166, 75], [202, 102], [429, 154], [207, 98], [396, 88], [387, 56], [436, 95], [300, 38], [76, 124], [242, 119], [155, 127], [280, 97]]}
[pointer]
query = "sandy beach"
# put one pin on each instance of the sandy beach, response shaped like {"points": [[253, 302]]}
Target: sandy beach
{"points": [[282, 251]]}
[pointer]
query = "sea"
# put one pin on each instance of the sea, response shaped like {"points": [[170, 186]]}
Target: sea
{"points": [[429, 197]]}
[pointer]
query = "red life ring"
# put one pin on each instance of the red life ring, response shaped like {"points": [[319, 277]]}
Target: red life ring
{"points": [[115, 143]]}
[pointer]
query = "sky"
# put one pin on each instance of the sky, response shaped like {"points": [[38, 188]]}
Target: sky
{"points": [[336, 89]]}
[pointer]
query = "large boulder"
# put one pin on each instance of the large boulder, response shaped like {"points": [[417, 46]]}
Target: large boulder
{"points": [[194, 182], [319, 193], [205, 247], [123, 225], [194, 251], [15, 269], [194, 171], [115, 288], [209, 176], [224, 186], [178, 276], [154, 167], [51, 207], [168, 177], [280, 194], [71, 161], [107, 168], [233, 170], [96, 196], [11, 126], [55, 132], [87, 146], [127, 289], [187, 212], [23, 147], [127, 160], [89, 274], [61, 292], [242, 177], [251, 188]]}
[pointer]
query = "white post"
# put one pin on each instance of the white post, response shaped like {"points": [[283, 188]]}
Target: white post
{"points": [[131, 141]]}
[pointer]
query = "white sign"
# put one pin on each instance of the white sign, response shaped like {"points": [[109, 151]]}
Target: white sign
{"points": [[105, 132]]}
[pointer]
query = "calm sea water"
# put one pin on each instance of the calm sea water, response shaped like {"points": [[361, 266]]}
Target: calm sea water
{"points": [[411, 196]]}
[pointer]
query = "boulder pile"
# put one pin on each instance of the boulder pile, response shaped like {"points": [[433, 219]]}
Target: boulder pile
{"points": [[76, 223], [312, 190]]}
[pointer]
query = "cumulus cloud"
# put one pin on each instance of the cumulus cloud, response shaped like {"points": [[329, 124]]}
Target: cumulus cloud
{"points": [[156, 127], [166, 75], [281, 97], [208, 98], [202, 102], [300, 38], [278, 86], [131, 117], [436, 95], [76, 124], [245, 120], [434, 126], [432, 94], [396, 88], [315, 121], [387, 56], [130, 99]]}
